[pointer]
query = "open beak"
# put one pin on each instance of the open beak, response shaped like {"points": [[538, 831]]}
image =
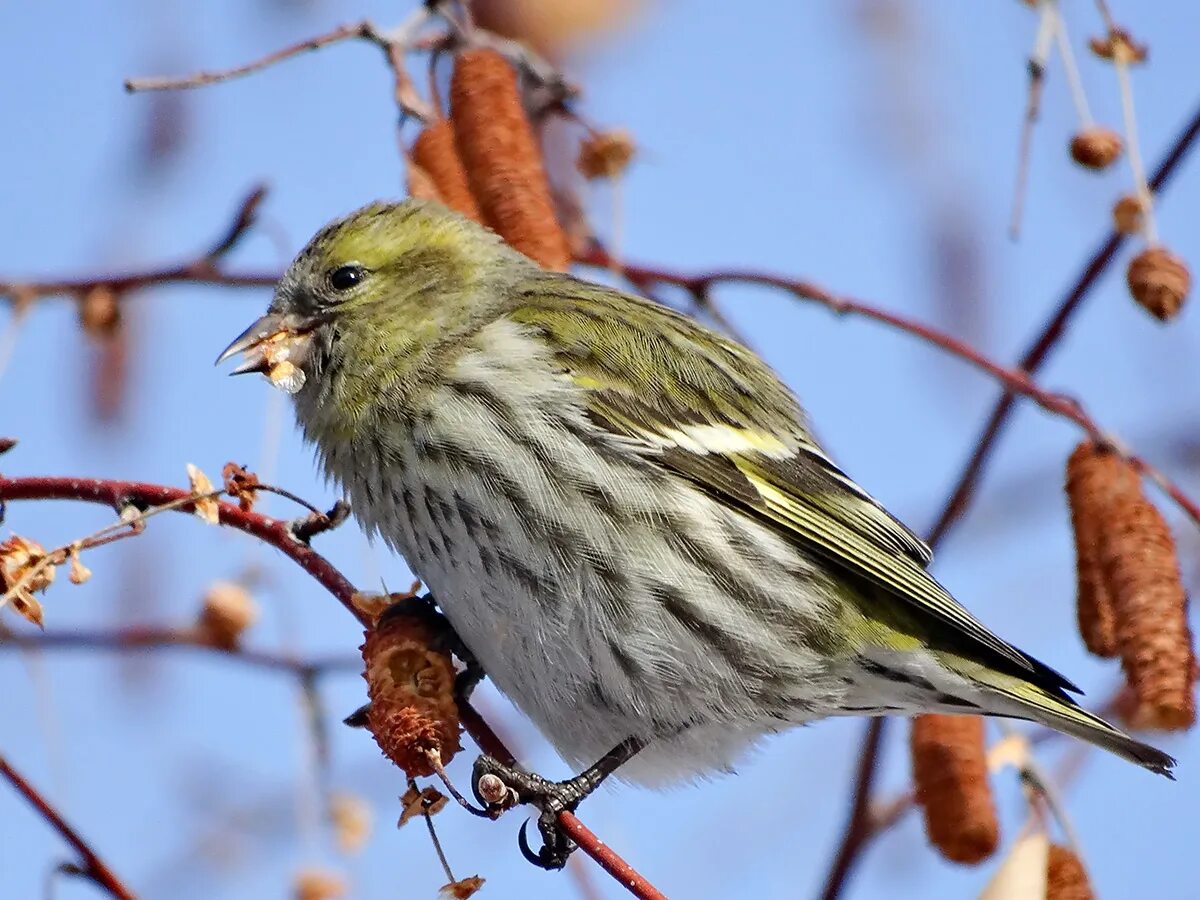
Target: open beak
{"points": [[274, 345]]}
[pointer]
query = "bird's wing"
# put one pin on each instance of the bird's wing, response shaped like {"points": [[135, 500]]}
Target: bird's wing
{"points": [[712, 412]]}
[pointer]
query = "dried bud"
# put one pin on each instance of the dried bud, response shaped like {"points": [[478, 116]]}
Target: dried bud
{"points": [[951, 780], [1118, 46], [79, 573], [461, 889], [24, 570], [206, 506], [1155, 642], [1095, 478], [605, 154], [351, 818], [1096, 147], [1129, 214], [1066, 879], [502, 158], [99, 312], [370, 605], [318, 884], [436, 157], [241, 483], [414, 803], [1159, 281], [227, 612], [411, 686]]}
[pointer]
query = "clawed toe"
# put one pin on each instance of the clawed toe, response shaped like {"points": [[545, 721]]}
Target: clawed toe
{"points": [[555, 850], [498, 787]]}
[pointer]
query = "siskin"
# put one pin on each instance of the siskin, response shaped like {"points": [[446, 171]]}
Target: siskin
{"points": [[623, 514]]}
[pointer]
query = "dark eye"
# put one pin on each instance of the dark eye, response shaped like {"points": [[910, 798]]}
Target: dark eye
{"points": [[345, 277]]}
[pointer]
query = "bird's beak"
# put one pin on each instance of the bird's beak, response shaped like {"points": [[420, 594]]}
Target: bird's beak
{"points": [[274, 346]]}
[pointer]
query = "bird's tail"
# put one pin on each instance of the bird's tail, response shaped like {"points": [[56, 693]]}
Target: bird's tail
{"points": [[1007, 695]]}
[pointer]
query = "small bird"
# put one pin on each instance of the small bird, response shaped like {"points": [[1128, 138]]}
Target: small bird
{"points": [[623, 514]]}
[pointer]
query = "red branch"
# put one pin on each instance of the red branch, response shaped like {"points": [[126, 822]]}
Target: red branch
{"points": [[204, 269], [93, 868], [858, 824], [278, 534], [152, 637]]}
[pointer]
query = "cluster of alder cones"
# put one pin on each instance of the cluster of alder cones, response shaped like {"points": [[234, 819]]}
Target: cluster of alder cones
{"points": [[1158, 279]]}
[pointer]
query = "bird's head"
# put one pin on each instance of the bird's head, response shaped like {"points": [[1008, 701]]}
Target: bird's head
{"points": [[373, 296]]}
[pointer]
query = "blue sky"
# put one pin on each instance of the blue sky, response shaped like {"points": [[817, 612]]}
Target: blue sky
{"points": [[871, 153]]}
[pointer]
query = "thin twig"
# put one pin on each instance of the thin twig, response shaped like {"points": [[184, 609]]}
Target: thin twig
{"points": [[92, 867], [394, 43], [1036, 66], [1133, 148], [1074, 81], [433, 837], [201, 79]]}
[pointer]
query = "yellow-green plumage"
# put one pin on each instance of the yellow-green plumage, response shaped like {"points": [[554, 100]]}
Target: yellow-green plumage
{"points": [[623, 513]]}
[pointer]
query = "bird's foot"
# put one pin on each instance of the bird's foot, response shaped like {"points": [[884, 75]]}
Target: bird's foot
{"points": [[500, 787]]}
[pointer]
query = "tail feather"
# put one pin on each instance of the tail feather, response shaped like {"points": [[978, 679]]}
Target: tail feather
{"points": [[1024, 700]]}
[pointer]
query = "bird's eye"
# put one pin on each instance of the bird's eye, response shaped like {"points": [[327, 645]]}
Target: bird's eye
{"points": [[345, 277]]}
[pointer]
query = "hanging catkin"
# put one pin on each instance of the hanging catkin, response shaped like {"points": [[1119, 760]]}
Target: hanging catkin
{"points": [[501, 157]]}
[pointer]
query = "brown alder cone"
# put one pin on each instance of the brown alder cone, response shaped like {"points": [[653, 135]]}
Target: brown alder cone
{"points": [[1159, 281], [1129, 214], [950, 775], [605, 154], [227, 612], [99, 311], [1095, 477], [1096, 147], [1139, 562], [1066, 878], [435, 154], [411, 687], [502, 158]]}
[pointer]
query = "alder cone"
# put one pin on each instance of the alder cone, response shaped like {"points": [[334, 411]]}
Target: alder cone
{"points": [[413, 714], [1159, 281], [951, 779], [1096, 148]]}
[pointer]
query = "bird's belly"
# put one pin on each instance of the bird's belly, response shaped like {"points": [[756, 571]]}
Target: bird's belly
{"points": [[677, 617]]}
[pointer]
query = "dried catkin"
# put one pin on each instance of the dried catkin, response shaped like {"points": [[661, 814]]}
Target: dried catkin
{"points": [[502, 158], [1095, 477], [951, 779], [411, 688], [434, 153], [1066, 879], [1153, 637]]}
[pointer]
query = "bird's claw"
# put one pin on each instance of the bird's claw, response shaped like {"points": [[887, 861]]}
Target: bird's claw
{"points": [[499, 787], [554, 852]]}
